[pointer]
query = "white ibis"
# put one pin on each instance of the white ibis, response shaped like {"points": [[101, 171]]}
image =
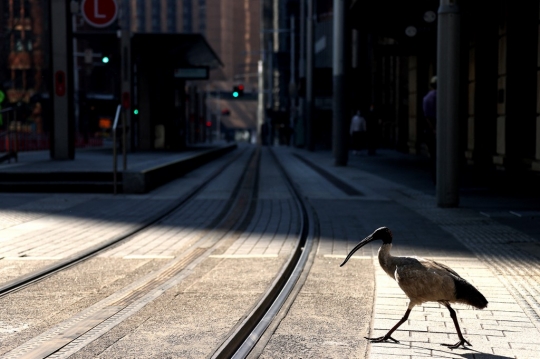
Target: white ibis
{"points": [[423, 280]]}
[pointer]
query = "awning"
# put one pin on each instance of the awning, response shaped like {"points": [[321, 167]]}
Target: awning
{"points": [[181, 49], [392, 18]]}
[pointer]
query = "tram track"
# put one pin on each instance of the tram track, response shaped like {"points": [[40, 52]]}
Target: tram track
{"points": [[33, 277], [241, 339], [245, 336]]}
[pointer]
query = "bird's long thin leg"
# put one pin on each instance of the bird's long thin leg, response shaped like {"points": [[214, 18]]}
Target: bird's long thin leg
{"points": [[388, 335], [462, 340]]}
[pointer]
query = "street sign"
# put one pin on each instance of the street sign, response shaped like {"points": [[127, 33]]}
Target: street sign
{"points": [[192, 73], [88, 56], [99, 13]]}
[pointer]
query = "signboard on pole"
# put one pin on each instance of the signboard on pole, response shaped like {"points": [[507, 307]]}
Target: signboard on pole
{"points": [[99, 13]]}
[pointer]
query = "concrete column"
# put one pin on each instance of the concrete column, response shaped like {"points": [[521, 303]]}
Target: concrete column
{"points": [[309, 77], [536, 162], [339, 123], [299, 130], [448, 103], [63, 142]]}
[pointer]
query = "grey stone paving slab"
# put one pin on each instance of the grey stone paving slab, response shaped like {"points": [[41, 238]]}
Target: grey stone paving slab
{"points": [[329, 316]]}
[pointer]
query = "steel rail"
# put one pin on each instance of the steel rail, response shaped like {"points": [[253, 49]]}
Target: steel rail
{"points": [[33, 277], [245, 336]]}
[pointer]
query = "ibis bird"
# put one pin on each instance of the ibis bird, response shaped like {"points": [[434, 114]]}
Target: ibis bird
{"points": [[422, 280]]}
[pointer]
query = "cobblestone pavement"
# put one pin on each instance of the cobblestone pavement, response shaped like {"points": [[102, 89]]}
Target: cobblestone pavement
{"points": [[501, 260]]}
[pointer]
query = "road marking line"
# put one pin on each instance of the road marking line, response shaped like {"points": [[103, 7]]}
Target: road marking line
{"points": [[235, 256]]}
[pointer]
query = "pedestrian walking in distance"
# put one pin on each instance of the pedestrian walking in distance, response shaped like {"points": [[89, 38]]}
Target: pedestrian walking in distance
{"points": [[358, 132], [422, 280]]}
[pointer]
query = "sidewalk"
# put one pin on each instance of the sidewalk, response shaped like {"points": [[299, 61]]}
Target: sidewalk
{"points": [[492, 240], [94, 170]]}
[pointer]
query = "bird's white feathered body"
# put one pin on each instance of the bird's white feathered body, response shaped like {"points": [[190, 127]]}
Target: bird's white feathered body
{"points": [[422, 280]]}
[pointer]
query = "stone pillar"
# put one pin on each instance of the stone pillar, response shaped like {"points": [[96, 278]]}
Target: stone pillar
{"points": [[63, 141], [448, 103]]}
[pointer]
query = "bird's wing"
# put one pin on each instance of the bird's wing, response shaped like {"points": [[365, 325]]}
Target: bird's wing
{"points": [[424, 280], [432, 264]]}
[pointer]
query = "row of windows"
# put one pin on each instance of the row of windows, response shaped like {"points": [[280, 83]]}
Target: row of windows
{"points": [[172, 6], [202, 16], [188, 16]]}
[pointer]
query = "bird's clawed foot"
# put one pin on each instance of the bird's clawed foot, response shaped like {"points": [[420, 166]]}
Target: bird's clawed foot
{"points": [[382, 339], [461, 342]]}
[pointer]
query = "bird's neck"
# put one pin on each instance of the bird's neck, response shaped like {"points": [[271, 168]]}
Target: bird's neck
{"points": [[386, 260]]}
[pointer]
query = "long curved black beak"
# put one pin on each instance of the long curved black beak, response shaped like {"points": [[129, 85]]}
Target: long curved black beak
{"points": [[362, 243]]}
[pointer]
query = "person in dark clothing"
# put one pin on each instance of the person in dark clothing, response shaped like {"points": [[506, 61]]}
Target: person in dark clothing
{"points": [[358, 132]]}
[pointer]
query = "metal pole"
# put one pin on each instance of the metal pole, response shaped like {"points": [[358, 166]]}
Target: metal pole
{"points": [[292, 82], [339, 132], [260, 101], [16, 137], [126, 84], [74, 11], [114, 159], [309, 76], [270, 73], [218, 123], [124, 144], [448, 104], [270, 103]]}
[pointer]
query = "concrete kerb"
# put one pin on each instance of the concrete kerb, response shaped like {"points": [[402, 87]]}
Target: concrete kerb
{"points": [[147, 180]]}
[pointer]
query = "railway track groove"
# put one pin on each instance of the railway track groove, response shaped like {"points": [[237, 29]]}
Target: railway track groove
{"points": [[238, 214]]}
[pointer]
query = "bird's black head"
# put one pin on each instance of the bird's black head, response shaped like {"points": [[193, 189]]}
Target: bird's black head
{"points": [[382, 233]]}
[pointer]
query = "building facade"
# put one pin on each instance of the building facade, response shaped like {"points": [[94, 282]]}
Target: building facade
{"points": [[393, 56]]}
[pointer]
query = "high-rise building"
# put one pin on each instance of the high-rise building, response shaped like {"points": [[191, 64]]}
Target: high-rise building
{"points": [[231, 27]]}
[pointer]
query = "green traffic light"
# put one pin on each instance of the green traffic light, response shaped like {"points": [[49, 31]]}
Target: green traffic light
{"points": [[235, 94], [105, 59], [135, 111]]}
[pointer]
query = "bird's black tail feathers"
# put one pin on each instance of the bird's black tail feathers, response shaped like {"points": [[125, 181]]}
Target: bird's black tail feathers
{"points": [[466, 293]]}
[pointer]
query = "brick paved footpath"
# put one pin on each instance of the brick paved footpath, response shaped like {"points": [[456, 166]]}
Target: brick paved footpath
{"points": [[502, 261]]}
